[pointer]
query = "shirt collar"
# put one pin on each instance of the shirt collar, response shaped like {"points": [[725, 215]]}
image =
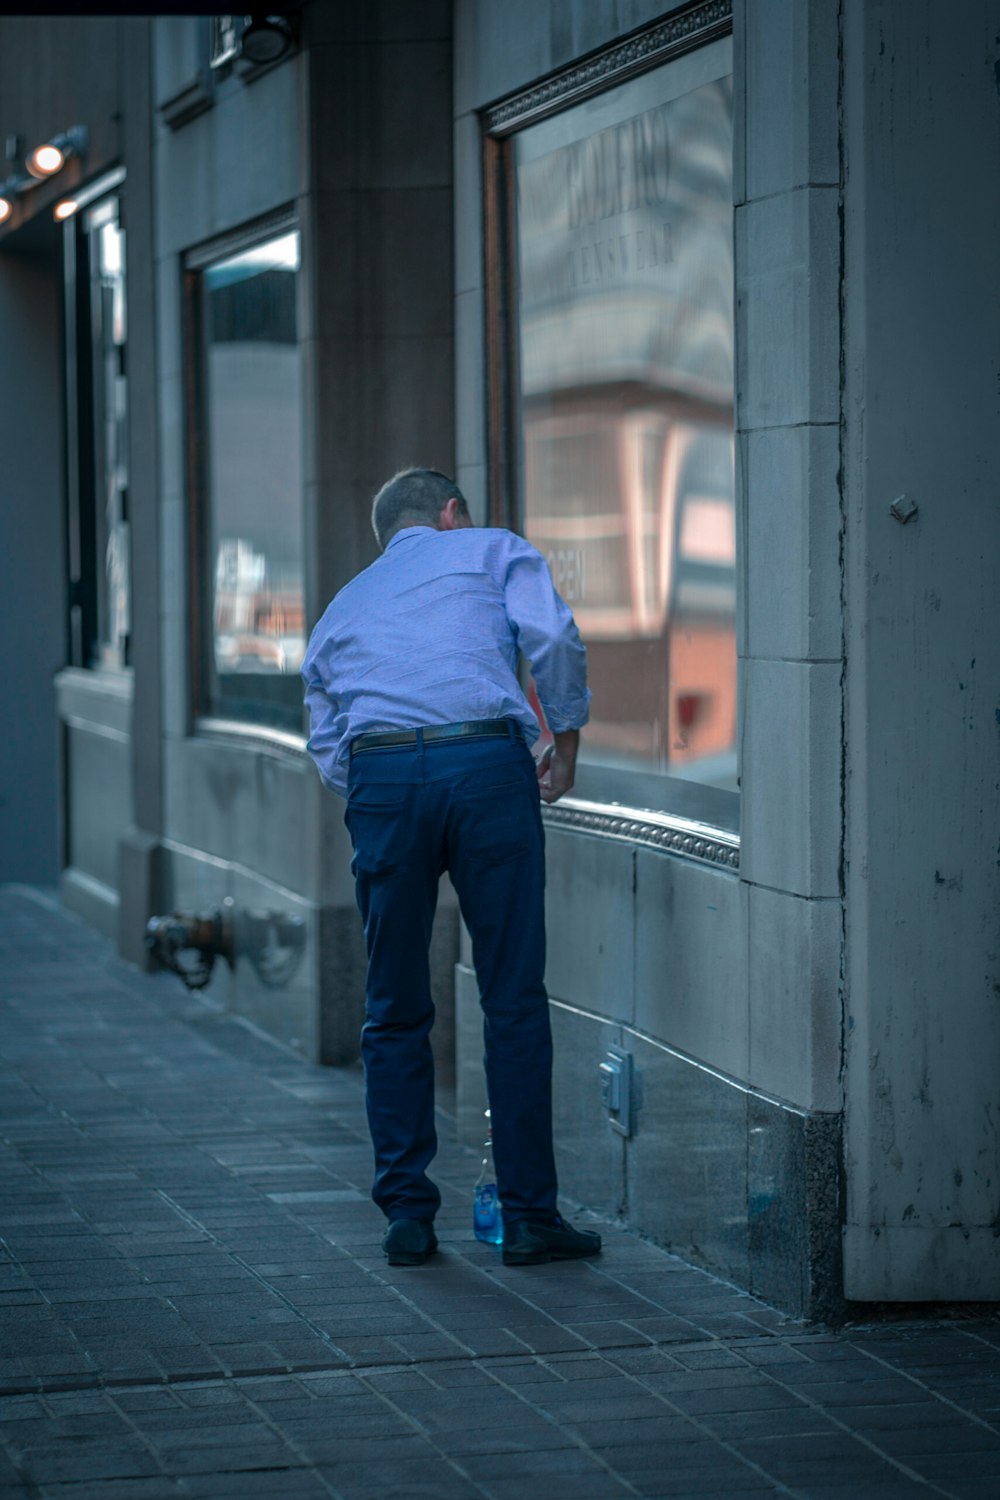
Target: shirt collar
{"points": [[408, 531]]}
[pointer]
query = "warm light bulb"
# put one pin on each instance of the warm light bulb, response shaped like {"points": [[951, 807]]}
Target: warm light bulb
{"points": [[6, 209], [66, 209], [45, 160]]}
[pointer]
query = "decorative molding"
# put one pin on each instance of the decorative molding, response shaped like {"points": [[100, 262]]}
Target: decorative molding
{"points": [[657, 44], [101, 682], [192, 100], [276, 221], [668, 833]]}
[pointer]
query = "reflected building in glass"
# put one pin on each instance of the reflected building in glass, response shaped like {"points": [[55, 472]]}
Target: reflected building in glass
{"points": [[625, 333], [254, 632]]}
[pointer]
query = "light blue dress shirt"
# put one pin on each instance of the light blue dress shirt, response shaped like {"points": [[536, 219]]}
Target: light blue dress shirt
{"points": [[430, 634]]}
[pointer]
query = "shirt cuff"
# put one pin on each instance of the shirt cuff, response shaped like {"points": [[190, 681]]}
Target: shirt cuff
{"points": [[572, 718]]}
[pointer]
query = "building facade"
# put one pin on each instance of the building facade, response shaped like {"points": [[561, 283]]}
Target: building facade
{"points": [[700, 298]]}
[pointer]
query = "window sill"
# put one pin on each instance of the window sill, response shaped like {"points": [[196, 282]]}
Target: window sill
{"points": [[668, 832], [234, 732]]}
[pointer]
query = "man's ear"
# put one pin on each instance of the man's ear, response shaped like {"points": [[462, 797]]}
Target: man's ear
{"points": [[452, 517]]}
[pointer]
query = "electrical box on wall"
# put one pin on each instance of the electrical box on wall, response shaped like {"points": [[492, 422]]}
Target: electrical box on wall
{"points": [[616, 1089]]}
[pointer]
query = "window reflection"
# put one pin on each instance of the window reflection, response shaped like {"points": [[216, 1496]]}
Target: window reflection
{"points": [[109, 387], [625, 302], [254, 430]]}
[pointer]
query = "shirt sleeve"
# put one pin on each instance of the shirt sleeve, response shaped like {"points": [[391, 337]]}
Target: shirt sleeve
{"points": [[327, 726], [547, 635]]}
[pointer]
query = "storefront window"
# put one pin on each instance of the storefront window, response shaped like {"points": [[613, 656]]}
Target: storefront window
{"points": [[97, 338], [253, 625], [624, 316]]}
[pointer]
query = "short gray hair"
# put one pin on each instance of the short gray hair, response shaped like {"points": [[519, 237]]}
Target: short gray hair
{"points": [[413, 497]]}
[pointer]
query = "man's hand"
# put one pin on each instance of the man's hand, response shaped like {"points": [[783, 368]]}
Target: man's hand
{"points": [[557, 767]]}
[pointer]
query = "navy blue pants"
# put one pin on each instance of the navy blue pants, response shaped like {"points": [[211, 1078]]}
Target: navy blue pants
{"points": [[470, 807]]}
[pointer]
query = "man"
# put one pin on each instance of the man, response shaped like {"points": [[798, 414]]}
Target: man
{"points": [[417, 715]]}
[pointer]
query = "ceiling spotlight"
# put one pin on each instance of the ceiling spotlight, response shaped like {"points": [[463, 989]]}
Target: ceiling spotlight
{"points": [[266, 39], [65, 209], [50, 158], [45, 160], [8, 196]]}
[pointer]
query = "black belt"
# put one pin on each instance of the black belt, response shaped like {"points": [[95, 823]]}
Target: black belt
{"points": [[471, 729]]}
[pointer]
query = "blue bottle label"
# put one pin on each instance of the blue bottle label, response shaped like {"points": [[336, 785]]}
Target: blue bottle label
{"points": [[486, 1220]]}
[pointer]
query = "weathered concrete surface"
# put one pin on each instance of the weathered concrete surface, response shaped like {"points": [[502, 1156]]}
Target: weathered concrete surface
{"points": [[922, 331]]}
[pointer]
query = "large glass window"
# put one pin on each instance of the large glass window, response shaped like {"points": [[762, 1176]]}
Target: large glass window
{"points": [[97, 334], [623, 244], [250, 474]]}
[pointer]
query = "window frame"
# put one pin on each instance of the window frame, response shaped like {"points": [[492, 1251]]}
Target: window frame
{"points": [[661, 809], [84, 646], [204, 717]]}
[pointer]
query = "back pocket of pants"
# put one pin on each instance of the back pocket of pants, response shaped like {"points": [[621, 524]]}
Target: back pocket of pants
{"points": [[375, 818], [494, 823]]}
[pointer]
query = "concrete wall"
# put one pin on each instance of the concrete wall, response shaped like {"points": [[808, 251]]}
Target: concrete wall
{"points": [[353, 130], [32, 569], [788, 340], [95, 714], [62, 72], [231, 157], [725, 987], [139, 868], [922, 250]]}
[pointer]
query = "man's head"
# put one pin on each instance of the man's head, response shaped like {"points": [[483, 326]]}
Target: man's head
{"points": [[418, 497]]}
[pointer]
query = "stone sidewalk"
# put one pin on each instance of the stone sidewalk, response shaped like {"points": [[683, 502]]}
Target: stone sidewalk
{"points": [[194, 1302]]}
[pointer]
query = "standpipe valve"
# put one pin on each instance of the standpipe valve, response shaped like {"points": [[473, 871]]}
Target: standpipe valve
{"points": [[209, 936], [272, 942]]}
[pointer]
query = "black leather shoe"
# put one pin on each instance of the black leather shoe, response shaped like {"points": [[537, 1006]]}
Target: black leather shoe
{"points": [[527, 1243], [408, 1242]]}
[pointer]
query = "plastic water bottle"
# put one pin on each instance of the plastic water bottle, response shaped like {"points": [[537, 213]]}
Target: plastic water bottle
{"points": [[487, 1219]]}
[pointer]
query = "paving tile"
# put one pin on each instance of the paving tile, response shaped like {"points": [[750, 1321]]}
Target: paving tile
{"points": [[714, 1357], [161, 1488], [890, 1487], [973, 1489], [76, 1460], [261, 1391], [866, 1393], [571, 1465], [447, 1375], [323, 1428], [784, 1421], [721, 1485], [908, 1443], [523, 1372], [677, 1381], [271, 1484], [607, 1385], [232, 1459], [644, 1361], [918, 1415], [742, 1398], [379, 1477], [811, 1459], [156, 1399], [642, 1433], [944, 1468]]}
